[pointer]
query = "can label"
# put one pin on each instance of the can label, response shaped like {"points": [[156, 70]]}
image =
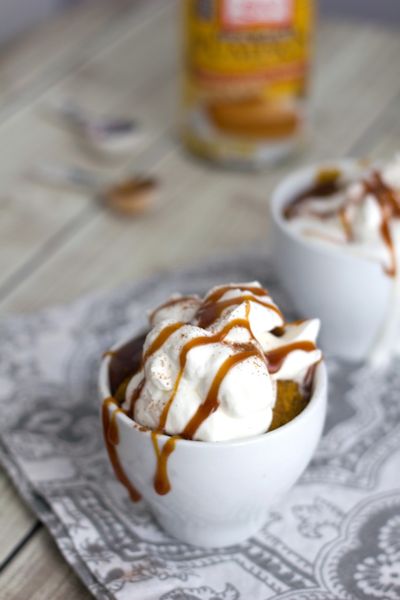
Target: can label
{"points": [[239, 14], [246, 71]]}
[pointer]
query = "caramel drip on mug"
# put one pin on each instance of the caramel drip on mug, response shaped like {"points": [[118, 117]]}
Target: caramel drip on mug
{"points": [[210, 311], [111, 438], [199, 341], [161, 481], [276, 357], [211, 402]]}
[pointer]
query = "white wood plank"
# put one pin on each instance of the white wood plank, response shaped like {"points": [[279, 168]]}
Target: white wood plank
{"points": [[34, 220], [39, 572], [15, 518], [26, 61], [354, 88], [38, 61]]}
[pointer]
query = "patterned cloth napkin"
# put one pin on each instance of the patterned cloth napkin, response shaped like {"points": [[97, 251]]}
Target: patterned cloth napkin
{"points": [[337, 535]]}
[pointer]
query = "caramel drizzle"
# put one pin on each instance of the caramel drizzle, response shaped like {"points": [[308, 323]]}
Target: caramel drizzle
{"points": [[276, 357], [389, 206], [346, 223], [111, 438], [162, 484], [388, 241], [211, 402], [217, 294], [171, 302], [327, 183], [203, 340], [194, 343], [156, 345], [280, 331], [161, 339], [211, 311]]}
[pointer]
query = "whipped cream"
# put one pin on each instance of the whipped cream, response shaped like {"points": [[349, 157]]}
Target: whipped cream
{"points": [[360, 214], [210, 366]]}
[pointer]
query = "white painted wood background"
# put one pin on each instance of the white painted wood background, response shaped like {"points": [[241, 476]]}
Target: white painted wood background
{"points": [[54, 246]]}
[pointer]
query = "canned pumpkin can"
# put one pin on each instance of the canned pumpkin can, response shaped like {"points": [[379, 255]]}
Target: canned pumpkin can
{"points": [[246, 67]]}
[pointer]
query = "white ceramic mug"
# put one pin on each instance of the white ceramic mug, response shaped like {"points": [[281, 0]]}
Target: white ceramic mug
{"points": [[349, 293], [220, 491]]}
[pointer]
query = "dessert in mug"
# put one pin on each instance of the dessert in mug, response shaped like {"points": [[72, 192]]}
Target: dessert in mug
{"points": [[215, 369], [356, 210]]}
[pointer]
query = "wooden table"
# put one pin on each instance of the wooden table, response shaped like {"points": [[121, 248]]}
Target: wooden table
{"points": [[121, 57]]}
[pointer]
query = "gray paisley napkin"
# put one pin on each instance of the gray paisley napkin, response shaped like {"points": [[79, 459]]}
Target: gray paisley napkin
{"points": [[337, 535]]}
